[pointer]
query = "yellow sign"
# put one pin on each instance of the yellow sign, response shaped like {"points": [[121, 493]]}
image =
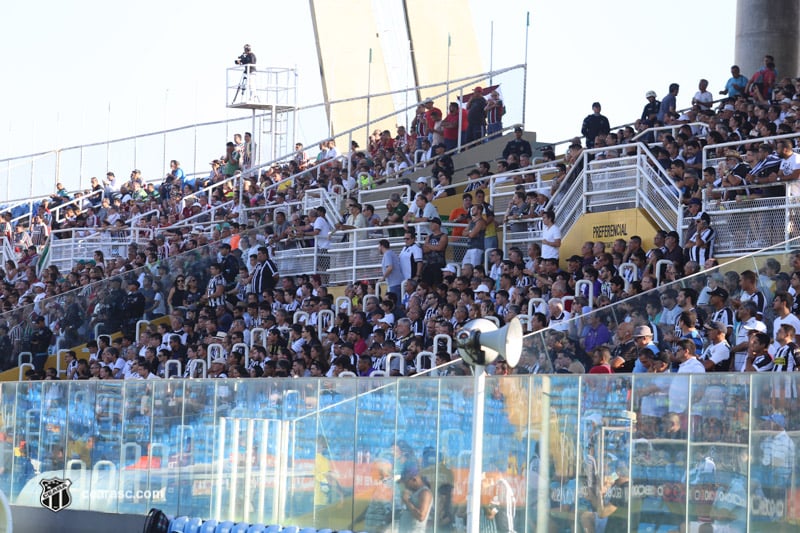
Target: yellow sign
{"points": [[607, 227]]}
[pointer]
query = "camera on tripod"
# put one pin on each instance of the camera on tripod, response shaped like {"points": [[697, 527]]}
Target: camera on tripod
{"points": [[243, 59]]}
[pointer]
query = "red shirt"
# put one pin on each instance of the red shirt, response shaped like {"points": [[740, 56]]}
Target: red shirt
{"points": [[451, 132], [601, 369], [429, 118]]}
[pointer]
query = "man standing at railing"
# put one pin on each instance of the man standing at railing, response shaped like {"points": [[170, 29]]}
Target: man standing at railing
{"points": [[594, 125], [669, 103], [476, 115], [790, 167], [391, 270]]}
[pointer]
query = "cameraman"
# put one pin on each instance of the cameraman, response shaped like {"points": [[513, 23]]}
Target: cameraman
{"points": [[246, 83], [247, 58]]}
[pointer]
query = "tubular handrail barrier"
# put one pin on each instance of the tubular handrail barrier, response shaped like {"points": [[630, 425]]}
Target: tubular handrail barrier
{"points": [[61, 163], [634, 179], [752, 216]]}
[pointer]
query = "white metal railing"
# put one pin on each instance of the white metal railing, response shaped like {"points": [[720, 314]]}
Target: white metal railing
{"points": [[66, 248], [744, 221], [623, 182], [77, 201], [671, 129], [355, 258]]}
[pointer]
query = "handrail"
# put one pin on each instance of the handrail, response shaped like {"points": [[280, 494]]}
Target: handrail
{"points": [[56, 211], [758, 140]]}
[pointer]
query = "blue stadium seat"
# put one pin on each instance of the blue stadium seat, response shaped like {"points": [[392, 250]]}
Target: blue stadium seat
{"points": [[193, 525], [224, 527], [273, 529], [290, 529], [309, 530], [209, 526], [177, 524], [257, 528], [241, 527]]}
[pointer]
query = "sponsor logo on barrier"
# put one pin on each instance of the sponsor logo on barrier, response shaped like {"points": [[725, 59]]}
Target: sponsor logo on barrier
{"points": [[55, 494]]}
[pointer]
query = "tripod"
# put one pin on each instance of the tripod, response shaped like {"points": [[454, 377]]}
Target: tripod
{"points": [[244, 86]]}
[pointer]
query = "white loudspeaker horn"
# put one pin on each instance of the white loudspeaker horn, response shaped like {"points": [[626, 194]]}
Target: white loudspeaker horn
{"points": [[480, 342]]}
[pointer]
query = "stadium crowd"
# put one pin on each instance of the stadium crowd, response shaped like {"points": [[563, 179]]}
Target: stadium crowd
{"points": [[208, 269]]}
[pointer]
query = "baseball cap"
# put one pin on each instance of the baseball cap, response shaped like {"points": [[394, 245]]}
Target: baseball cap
{"points": [[777, 418], [422, 179], [728, 107], [482, 288], [436, 220], [648, 94], [518, 129], [674, 235], [219, 360], [716, 325], [642, 331], [759, 326], [449, 268], [719, 291]]}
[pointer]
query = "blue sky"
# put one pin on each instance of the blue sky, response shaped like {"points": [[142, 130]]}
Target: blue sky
{"points": [[79, 71]]}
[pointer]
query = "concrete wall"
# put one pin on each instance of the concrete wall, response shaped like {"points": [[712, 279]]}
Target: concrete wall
{"points": [[768, 27]]}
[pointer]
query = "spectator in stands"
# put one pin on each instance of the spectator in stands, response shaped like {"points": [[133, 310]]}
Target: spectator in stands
{"points": [[761, 83], [650, 111], [594, 125], [434, 250], [495, 109], [700, 246], [668, 103], [452, 127], [391, 270], [551, 236], [517, 145], [475, 233], [703, 97], [736, 84], [461, 214], [476, 115]]}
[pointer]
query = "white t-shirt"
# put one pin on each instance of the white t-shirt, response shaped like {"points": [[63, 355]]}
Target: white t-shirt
{"points": [[788, 166], [405, 259], [704, 99], [553, 233], [323, 237]]}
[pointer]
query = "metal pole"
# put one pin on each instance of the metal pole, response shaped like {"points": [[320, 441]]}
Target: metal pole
{"points": [[491, 53], [460, 115], [108, 137], [525, 68], [447, 86], [476, 459], [369, 89], [294, 110], [164, 135]]}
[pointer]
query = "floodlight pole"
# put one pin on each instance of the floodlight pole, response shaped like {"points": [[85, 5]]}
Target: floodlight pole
{"points": [[476, 459], [525, 67]]}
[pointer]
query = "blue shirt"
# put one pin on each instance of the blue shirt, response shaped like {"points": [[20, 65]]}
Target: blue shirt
{"points": [[740, 80]]}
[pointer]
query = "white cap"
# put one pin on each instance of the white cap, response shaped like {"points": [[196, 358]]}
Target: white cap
{"points": [[449, 268], [422, 180], [482, 288], [648, 94]]}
